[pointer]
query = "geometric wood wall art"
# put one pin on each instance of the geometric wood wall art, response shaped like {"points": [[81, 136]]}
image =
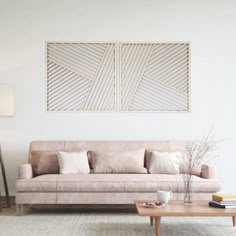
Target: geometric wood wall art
{"points": [[154, 77], [81, 76]]}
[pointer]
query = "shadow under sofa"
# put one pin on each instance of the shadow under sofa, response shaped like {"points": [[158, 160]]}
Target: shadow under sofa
{"points": [[106, 188]]}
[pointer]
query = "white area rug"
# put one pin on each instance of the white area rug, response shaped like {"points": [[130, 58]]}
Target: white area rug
{"points": [[111, 224]]}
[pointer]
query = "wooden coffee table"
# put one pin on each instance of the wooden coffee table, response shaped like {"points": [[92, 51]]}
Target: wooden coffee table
{"points": [[177, 208]]}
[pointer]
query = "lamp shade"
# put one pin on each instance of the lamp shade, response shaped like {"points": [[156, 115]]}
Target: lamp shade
{"points": [[6, 101]]}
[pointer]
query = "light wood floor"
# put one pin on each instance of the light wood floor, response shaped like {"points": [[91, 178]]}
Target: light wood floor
{"points": [[8, 211]]}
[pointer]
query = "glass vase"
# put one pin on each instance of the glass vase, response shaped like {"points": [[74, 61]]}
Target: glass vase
{"points": [[188, 194]]}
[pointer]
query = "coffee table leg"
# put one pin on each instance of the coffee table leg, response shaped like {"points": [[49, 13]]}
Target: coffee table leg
{"points": [[234, 220], [158, 225]]}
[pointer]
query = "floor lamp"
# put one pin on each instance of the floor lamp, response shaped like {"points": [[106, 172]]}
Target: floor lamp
{"points": [[6, 110]]}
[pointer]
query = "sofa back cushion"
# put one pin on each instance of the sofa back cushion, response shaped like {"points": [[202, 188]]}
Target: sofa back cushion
{"points": [[73, 162], [111, 146], [165, 163], [44, 162], [119, 146], [118, 162]]}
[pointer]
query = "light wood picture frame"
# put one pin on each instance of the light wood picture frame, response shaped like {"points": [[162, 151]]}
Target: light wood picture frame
{"points": [[81, 76], [118, 76], [155, 77]]}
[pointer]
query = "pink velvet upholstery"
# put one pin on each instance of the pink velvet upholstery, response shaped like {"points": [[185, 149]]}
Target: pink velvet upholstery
{"points": [[107, 188], [118, 162], [42, 183], [36, 198], [208, 171], [95, 198], [25, 171], [118, 198], [113, 183], [45, 162]]}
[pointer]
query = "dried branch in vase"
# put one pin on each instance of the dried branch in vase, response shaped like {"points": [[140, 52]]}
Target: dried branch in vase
{"points": [[197, 154]]}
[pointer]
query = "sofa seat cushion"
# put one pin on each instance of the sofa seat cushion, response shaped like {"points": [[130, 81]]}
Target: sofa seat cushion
{"points": [[131, 183], [113, 183], [42, 183]]}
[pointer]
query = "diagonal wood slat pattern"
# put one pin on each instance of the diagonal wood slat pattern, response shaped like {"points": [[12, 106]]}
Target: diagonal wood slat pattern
{"points": [[102, 93], [155, 77], [80, 76], [134, 63]]}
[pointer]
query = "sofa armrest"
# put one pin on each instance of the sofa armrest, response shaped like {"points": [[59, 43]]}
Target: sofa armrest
{"points": [[25, 171], [208, 171]]}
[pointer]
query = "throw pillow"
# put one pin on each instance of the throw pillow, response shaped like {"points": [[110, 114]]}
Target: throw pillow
{"points": [[73, 162], [44, 162], [118, 162], [165, 163]]}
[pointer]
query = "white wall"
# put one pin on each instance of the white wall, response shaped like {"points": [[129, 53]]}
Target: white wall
{"points": [[209, 25]]}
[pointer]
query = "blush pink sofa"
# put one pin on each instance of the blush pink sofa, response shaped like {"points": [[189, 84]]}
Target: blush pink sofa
{"points": [[106, 188]]}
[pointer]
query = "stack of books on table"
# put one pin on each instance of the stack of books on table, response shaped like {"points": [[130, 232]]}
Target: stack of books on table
{"points": [[223, 200]]}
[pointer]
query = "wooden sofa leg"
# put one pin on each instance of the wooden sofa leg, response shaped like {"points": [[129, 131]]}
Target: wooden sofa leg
{"points": [[19, 209]]}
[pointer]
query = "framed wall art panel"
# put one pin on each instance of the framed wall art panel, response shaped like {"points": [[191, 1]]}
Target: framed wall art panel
{"points": [[81, 76], [154, 77]]}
